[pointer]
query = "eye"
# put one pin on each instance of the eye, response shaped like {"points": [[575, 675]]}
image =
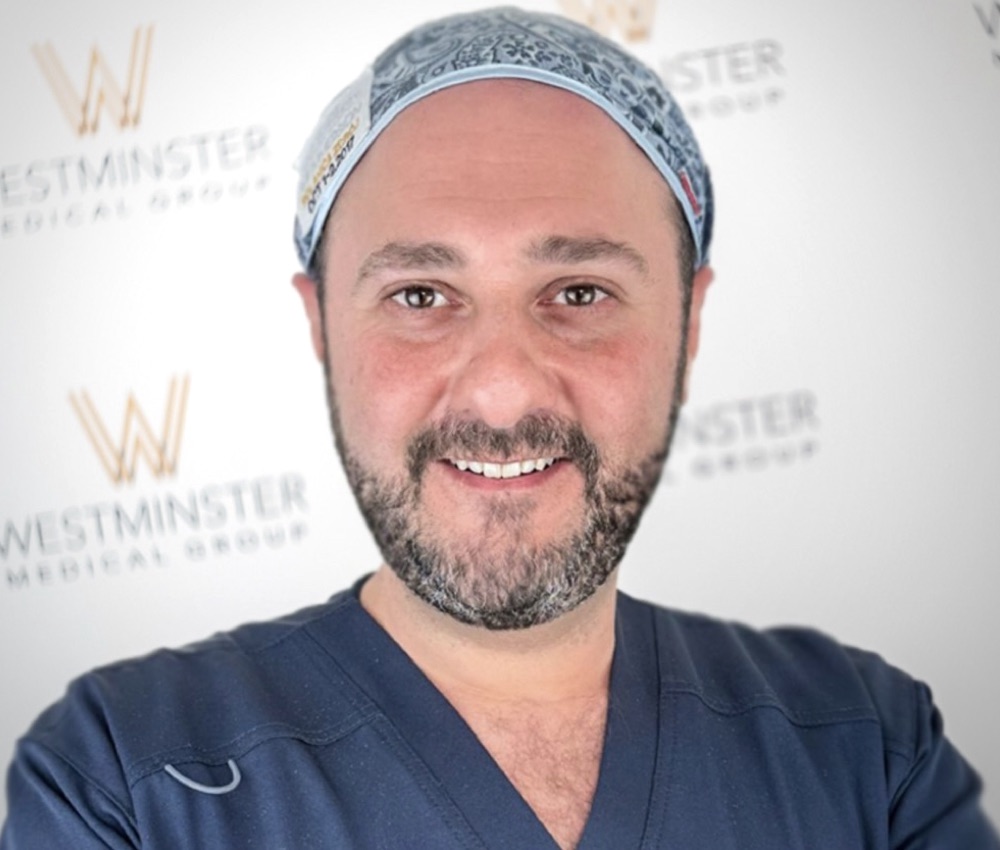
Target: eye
{"points": [[580, 295], [419, 297]]}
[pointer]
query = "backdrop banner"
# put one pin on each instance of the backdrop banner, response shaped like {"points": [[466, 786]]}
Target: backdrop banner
{"points": [[167, 465]]}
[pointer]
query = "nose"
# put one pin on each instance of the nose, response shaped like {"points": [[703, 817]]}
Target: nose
{"points": [[504, 372]]}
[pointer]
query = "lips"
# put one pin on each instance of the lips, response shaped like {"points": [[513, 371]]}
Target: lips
{"points": [[509, 469]]}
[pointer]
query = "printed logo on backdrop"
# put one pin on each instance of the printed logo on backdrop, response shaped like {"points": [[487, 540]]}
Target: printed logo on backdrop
{"points": [[138, 440], [115, 172], [148, 525], [727, 80], [101, 90], [720, 81], [989, 17], [632, 19], [747, 435]]}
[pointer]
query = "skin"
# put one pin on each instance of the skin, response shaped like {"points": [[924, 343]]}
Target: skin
{"points": [[489, 327]]}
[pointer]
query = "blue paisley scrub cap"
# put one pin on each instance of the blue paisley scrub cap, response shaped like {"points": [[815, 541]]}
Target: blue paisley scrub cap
{"points": [[504, 43]]}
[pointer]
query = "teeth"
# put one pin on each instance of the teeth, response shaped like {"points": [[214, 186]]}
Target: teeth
{"points": [[512, 469]]}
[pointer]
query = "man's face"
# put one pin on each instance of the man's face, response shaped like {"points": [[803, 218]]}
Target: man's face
{"points": [[504, 346]]}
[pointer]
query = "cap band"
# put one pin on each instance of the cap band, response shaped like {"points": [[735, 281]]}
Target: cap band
{"points": [[503, 43]]}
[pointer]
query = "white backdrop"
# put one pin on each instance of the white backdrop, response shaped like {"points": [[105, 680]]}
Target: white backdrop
{"points": [[837, 464]]}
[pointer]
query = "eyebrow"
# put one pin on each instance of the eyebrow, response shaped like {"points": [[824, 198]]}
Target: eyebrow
{"points": [[572, 249], [410, 255], [567, 250]]}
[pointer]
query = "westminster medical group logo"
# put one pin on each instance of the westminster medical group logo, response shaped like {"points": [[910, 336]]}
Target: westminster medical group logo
{"points": [[747, 435], [727, 80], [147, 524], [112, 170], [719, 81], [631, 19], [102, 90], [138, 440]]}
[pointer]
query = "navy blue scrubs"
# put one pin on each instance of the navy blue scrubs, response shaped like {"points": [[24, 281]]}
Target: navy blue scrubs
{"points": [[317, 731]]}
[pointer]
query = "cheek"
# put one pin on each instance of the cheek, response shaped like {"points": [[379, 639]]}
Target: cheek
{"points": [[625, 395], [386, 388]]}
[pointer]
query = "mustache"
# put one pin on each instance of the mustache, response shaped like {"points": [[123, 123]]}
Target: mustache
{"points": [[534, 435]]}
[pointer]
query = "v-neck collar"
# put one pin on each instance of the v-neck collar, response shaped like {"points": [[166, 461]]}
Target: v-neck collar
{"points": [[480, 790], [626, 785]]}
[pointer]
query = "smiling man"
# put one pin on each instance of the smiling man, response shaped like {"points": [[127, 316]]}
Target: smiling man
{"points": [[504, 227], [505, 320]]}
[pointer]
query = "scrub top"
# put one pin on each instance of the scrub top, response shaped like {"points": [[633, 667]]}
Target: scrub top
{"points": [[317, 731]]}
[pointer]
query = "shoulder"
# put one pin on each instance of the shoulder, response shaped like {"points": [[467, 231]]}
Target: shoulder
{"points": [[807, 676], [209, 698], [876, 720]]}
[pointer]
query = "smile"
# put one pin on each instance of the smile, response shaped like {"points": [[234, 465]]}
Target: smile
{"points": [[513, 469]]}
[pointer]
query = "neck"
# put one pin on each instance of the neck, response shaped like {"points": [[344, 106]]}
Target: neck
{"points": [[567, 659]]}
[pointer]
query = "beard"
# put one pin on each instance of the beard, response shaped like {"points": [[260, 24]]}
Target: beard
{"points": [[500, 580]]}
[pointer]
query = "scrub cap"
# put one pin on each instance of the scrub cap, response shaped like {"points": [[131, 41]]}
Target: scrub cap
{"points": [[504, 43]]}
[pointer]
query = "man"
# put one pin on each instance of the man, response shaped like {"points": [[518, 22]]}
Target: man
{"points": [[505, 228]]}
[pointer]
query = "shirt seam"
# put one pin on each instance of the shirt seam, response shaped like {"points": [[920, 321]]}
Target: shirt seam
{"points": [[423, 775], [238, 747], [847, 714], [126, 811], [328, 610], [427, 781]]}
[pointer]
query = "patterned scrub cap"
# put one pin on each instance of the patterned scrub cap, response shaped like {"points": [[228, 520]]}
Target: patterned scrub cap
{"points": [[505, 43]]}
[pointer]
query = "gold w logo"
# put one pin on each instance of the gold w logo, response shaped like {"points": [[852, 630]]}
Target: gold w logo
{"points": [[102, 89], [633, 18], [120, 460]]}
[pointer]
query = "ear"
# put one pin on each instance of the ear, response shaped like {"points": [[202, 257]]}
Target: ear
{"points": [[307, 289], [699, 287]]}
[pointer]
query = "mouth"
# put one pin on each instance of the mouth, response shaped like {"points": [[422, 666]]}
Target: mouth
{"points": [[506, 470]]}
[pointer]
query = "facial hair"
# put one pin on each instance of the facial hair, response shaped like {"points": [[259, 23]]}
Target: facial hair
{"points": [[503, 582], [500, 581]]}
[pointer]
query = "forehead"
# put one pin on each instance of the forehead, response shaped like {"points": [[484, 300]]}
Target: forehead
{"points": [[502, 143]]}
